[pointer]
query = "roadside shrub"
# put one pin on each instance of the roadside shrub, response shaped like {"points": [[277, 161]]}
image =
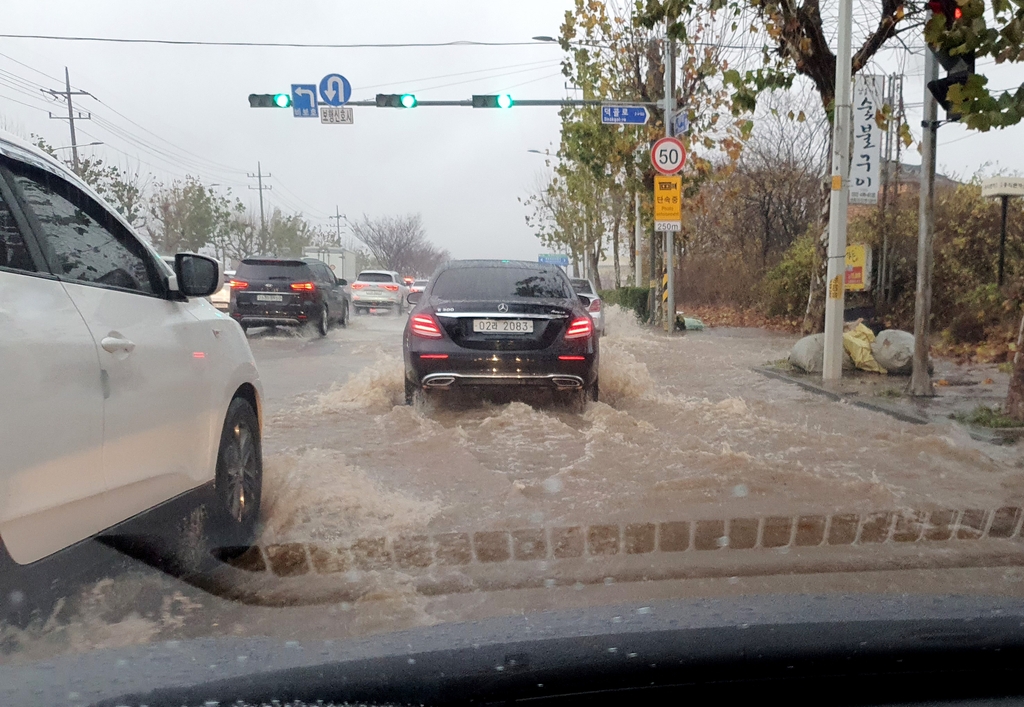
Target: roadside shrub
{"points": [[634, 298], [784, 287]]}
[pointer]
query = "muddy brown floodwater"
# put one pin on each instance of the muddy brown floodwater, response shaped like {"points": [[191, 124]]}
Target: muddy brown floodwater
{"points": [[685, 428], [694, 476]]}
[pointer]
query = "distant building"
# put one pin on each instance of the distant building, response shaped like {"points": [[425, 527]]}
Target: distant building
{"points": [[906, 178]]}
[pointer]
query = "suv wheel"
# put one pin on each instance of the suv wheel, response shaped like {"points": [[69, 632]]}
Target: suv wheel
{"points": [[344, 315], [323, 321], [239, 482]]}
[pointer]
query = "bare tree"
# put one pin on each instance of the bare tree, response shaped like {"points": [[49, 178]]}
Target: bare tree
{"points": [[399, 243]]}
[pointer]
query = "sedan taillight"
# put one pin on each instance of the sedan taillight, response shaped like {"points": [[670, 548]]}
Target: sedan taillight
{"points": [[425, 326], [237, 284], [579, 328], [303, 286], [595, 305]]}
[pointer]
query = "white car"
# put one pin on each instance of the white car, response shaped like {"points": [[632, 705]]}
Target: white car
{"points": [[379, 289], [595, 307], [221, 299], [122, 386]]}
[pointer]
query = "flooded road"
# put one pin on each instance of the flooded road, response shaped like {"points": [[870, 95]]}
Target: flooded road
{"points": [[380, 516]]}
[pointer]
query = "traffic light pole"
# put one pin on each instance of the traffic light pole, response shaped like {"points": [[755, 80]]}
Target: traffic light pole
{"points": [[517, 104], [920, 379]]}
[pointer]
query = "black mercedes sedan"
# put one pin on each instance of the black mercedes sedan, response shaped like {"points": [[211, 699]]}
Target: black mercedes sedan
{"points": [[500, 323]]}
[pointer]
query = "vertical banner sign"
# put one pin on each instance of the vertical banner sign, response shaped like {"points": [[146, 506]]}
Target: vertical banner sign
{"points": [[668, 203], [867, 139], [858, 267]]}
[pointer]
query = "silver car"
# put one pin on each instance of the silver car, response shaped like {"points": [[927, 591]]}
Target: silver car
{"points": [[586, 288], [379, 289]]}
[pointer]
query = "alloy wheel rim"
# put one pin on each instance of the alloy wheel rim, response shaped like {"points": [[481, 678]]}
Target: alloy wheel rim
{"points": [[241, 474]]}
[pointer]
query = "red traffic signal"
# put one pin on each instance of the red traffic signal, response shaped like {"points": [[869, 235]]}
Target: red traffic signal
{"points": [[949, 8]]}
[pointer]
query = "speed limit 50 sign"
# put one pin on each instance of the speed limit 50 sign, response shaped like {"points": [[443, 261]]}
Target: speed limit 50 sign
{"points": [[668, 155]]}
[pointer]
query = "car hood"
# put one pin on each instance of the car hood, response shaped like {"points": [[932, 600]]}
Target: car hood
{"points": [[533, 655]]}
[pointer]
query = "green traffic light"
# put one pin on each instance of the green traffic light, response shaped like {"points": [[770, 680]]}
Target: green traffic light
{"points": [[282, 100], [504, 100], [408, 100]]}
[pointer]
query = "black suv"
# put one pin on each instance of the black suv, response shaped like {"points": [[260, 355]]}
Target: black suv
{"points": [[284, 292]]}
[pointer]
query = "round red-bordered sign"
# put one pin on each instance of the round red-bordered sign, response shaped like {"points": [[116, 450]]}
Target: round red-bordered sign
{"points": [[668, 155]]}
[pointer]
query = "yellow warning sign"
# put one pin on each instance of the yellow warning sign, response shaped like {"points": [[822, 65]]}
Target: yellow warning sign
{"points": [[837, 183], [668, 202], [835, 287]]}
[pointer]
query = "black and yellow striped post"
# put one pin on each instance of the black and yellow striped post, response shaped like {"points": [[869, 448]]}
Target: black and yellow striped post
{"points": [[667, 316]]}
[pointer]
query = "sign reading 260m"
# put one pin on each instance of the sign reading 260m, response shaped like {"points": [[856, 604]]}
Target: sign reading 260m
{"points": [[668, 155]]}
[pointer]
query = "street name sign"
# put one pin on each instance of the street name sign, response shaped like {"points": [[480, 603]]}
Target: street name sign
{"points": [[624, 115], [668, 155], [335, 90], [1002, 186], [554, 259], [336, 115], [304, 104]]}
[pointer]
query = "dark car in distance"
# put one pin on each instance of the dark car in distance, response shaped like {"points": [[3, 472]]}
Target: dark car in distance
{"points": [[267, 291], [500, 323]]}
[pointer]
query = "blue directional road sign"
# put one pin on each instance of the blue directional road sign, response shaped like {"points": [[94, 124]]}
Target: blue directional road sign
{"points": [[304, 100], [624, 115], [554, 259], [335, 90]]}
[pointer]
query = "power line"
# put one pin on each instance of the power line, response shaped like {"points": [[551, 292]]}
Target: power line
{"points": [[286, 45]]}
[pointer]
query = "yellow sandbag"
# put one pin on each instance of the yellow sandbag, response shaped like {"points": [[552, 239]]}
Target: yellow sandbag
{"points": [[858, 344]]}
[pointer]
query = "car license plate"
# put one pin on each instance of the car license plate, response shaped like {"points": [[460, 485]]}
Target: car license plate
{"points": [[270, 298], [503, 326]]}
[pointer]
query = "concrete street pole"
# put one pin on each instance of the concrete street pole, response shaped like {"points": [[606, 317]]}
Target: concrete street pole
{"points": [[670, 236], [920, 379], [834, 302], [638, 278]]}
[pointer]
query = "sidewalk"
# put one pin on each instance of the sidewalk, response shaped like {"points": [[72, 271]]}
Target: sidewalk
{"points": [[958, 389]]}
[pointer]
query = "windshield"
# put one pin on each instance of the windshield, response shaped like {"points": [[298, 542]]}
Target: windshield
{"points": [[693, 320], [376, 277], [498, 283], [272, 270]]}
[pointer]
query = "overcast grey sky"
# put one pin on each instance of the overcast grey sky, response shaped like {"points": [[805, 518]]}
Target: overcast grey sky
{"points": [[462, 169]]}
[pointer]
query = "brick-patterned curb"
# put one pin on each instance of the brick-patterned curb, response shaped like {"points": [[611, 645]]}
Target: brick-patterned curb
{"points": [[425, 553]]}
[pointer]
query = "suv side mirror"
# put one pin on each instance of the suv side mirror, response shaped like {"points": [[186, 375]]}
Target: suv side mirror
{"points": [[198, 275], [342, 282], [413, 297]]}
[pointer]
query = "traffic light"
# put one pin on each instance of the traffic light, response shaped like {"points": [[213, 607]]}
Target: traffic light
{"points": [[395, 100], [501, 100], [270, 100], [959, 68]]}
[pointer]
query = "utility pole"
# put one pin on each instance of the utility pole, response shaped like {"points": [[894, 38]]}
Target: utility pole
{"points": [[832, 368], [670, 236], [66, 94], [1002, 239], [637, 234], [920, 379], [337, 222], [259, 177]]}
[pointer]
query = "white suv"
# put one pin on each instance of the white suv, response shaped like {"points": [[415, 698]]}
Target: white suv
{"points": [[379, 289], [121, 386]]}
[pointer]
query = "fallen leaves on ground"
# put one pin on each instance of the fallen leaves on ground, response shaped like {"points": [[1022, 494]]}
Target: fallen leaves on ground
{"points": [[729, 316]]}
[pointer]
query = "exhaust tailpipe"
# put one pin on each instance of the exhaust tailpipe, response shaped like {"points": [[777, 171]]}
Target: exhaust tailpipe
{"points": [[439, 381], [566, 382]]}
